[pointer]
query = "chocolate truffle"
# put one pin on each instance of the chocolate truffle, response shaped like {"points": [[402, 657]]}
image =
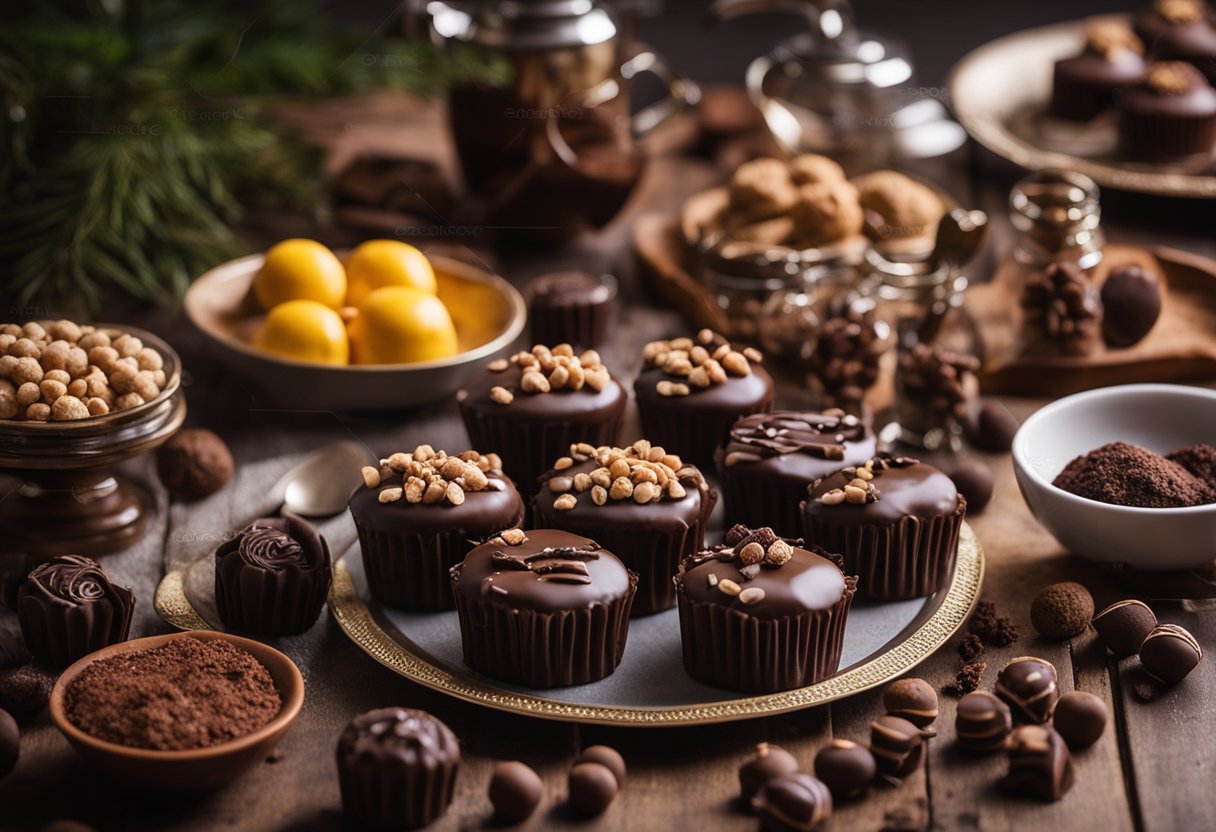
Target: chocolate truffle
{"points": [[1029, 686], [193, 464], [1169, 117], [994, 428], [10, 743], [1086, 85], [543, 609], [912, 699], [1131, 304], [1080, 718], [794, 802], [397, 767], [641, 503], [606, 756], [756, 597], [515, 792], [846, 768], [973, 479], [534, 406], [1170, 653], [982, 722], [1179, 30], [1124, 625], [897, 745], [897, 207], [69, 608], [1039, 764], [1062, 610], [592, 788], [571, 308], [768, 762], [417, 515], [691, 390], [272, 578], [771, 458], [896, 522], [24, 691]]}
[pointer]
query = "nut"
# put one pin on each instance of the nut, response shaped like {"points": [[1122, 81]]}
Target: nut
{"points": [[563, 462], [498, 366], [729, 587], [676, 491], [751, 595], [832, 498], [565, 502], [735, 364], [435, 492], [414, 489], [854, 495], [501, 395], [390, 495], [371, 476], [779, 553], [599, 495], [645, 492], [455, 494], [513, 537], [622, 489], [751, 553], [534, 382], [582, 481]]}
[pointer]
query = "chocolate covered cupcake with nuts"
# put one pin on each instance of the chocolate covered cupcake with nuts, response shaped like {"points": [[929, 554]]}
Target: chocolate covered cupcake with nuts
{"points": [[1088, 84], [532, 407], [1170, 117], [762, 613], [68, 607], [691, 391], [641, 503], [417, 514]]}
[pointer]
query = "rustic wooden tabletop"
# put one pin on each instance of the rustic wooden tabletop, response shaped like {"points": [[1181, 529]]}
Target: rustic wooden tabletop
{"points": [[1152, 770]]}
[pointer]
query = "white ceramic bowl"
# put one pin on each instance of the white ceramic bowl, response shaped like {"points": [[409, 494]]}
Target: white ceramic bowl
{"points": [[1159, 417]]}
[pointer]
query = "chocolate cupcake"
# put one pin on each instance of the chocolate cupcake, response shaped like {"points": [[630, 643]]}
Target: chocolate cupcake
{"points": [[762, 614], [272, 577], [1180, 30], [69, 608], [691, 391], [397, 768], [1168, 117], [640, 503], [533, 407], [895, 520], [771, 458], [571, 308], [543, 609], [1086, 85], [416, 515]]}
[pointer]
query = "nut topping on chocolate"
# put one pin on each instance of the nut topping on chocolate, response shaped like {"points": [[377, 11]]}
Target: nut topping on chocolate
{"points": [[545, 370], [861, 490], [702, 363], [429, 476], [641, 473], [1173, 77]]}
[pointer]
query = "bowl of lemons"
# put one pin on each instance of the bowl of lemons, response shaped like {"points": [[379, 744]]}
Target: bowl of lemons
{"points": [[380, 327]]}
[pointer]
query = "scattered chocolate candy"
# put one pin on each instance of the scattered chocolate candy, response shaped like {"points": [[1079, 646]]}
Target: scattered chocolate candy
{"points": [[1131, 304], [897, 745], [515, 792], [794, 802], [10, 743], [1039, 764], [24, 691], [982, 722], [973, 479], [994, 428], [1124, 625], [606, 756], [768, 762], [1062, 610], [912, 699], [593, 787], [1080, 718], [1029, 686], [194, 464], [1169, 653], [847, 768]]}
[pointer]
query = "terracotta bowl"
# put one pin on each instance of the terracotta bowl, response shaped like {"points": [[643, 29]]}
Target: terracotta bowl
{"points": [[488, 313], [197, 771]]}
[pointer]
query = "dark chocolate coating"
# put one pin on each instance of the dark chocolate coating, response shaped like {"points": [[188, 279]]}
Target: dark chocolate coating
{"points": [[848, 769], [68, 608], [606, 756], [1184, 41], [994, 428], [793, 802], [1124, 625], [1170, 653], [1039, 764], [515, 791], [1160, 127], [592, 788], [10, 743], [897, 745], [1087, 84], [1080, 718], [912, 699], [1131, 304], [768, 762], [808, 581], [482, 513], [1029, 686], [982, 722], [973, 479], [907, 488], [569, 307]]}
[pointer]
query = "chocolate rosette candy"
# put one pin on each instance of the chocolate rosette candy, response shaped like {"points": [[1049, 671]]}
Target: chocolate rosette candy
{"points": [[272, 577], [68, 608]]}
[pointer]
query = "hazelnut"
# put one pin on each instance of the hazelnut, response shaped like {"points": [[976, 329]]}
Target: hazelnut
{"points": [[68, 408]]}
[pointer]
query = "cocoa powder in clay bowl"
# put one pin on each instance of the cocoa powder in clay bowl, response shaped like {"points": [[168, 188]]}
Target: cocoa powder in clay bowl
{"points": [[182, 772]]}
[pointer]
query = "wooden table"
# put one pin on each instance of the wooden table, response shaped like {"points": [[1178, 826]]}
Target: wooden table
{"points": [[1152, 770]]}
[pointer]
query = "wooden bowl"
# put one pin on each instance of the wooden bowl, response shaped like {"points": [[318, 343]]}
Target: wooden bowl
{"points": [[488, 313], [193, 772]]}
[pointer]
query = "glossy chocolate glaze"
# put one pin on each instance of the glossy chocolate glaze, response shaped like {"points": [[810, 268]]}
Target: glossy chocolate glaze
{"points": [[808, 581], [738, 394], [73, 580], [68, 608], [1196, 102], [584, 405], [1040, 764], [1085, 85], [1168, 40], [1029, 686], [910, 488], [497, 507]]}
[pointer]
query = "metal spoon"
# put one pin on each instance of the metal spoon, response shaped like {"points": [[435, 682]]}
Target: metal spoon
{"points": [[321, 484]]}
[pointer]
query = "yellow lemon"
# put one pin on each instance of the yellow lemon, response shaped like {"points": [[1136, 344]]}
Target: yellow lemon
{"points": [[306, 331], [300, 270], [397, 325], [379, 263]]}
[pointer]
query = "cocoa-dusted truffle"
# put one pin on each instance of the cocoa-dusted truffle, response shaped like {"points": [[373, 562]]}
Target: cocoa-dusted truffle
{"points": [[1062, 610], [768, 762], [515, 792], [793, 803], [606, 756], [824, 213], [993, 428], [24, 691], [194, 464], [982, 722], [1170, 653], [847, 768], [1029, 686], [973, 479], [897, 745], [1080, 718], [901, 206], [1131, 304], [1124, 625], [10, 743], [912, 699], [592, 787], [1039, 764]]}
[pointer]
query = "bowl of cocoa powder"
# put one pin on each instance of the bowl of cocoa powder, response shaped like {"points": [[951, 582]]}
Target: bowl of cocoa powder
{"points": [[179, 714], [1125, 474]]}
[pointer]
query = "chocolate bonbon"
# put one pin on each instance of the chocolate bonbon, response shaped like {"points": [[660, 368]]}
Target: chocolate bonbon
{"points": [[1062, 610], [1039, 764], [768, 762], [993, 428], [1124, 625], [912, 699], [606, 756], [68, 607], [897, 745], [847, 768], [570, 307], [1080, 718], [1131, 304], [1169, 653], [982, 722], [794, 802], [1028, 684], [973, 479], [515, 791], [194, 463], [592, 788]]}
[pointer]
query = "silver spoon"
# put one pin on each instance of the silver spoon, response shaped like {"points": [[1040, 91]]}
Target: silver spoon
{"points": [[321, 484]]}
